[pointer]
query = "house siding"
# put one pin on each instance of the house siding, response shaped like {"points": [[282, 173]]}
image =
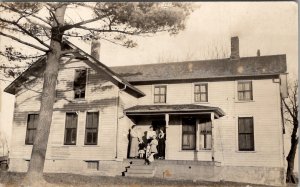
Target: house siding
{"points": [[265, 109], [101, 95]]}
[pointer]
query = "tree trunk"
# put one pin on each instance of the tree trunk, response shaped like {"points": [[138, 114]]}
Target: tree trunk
{"points": [[290, 177], [38, 154]]}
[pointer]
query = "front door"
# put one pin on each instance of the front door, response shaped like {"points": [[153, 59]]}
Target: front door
{"points": [[159, 126]]}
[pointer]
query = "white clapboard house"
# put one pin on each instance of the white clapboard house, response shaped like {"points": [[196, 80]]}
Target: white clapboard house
{"points": [[222, 117]]}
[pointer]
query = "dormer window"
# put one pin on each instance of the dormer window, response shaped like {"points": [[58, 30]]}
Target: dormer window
{"points": [[160, 94], [79, 83]]}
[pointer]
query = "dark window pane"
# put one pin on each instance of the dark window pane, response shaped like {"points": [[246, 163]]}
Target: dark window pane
{"points": [[91, 134], [188, 133], [80, 83], [245, 90], [160, 93], [71, 128], [246, 134], [200, 92], [32, 123]]}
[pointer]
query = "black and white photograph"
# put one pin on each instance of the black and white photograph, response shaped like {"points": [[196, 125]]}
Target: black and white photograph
{"points": [[149, 94]]}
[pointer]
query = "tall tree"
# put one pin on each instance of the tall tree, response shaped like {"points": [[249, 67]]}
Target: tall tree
{"points": [[44, 25], [291, 118]]}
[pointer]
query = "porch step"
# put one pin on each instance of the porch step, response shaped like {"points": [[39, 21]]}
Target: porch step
{"points": [[138, 169]]}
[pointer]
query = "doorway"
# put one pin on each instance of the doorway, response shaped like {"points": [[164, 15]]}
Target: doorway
{"points": [[159, 126]]}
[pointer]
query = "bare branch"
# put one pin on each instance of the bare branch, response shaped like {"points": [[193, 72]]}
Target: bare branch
{"points": [[25, 43]]}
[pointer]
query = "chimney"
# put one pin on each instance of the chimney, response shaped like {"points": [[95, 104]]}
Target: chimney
{"points": [[258, 52], [235, 54], [95, 48]]}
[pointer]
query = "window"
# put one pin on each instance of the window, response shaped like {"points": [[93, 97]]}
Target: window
{"points": [[93, 165], [245, 91], [32, 122], [200, 92], [91, 131], [205, 135], [246, 134], [71, 128], [160, 94], [188, 134], [79, 83]]}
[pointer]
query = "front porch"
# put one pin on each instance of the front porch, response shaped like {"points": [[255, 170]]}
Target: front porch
{"points": [[189, 132]]}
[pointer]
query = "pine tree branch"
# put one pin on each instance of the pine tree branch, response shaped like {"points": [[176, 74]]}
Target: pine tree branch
{"points": [[25, 43], [25, 31], [77, 25], [24, 12]]}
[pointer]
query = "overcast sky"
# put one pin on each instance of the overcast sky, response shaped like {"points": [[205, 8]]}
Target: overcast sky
{"points": [[271, 27]]}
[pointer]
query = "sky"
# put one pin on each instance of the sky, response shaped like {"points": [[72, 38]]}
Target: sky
{"points": [[271, 27]]}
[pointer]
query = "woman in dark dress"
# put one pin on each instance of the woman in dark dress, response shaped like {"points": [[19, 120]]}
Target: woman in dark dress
{"points": [[161, 144]]}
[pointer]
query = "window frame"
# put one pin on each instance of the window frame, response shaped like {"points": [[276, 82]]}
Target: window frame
{"points": [[65, 134], [159, 94], [245, 91], [199, 93], [189, 133], [35, 129], [252, 148], [205, 134], [86, 128], [86, 79]]}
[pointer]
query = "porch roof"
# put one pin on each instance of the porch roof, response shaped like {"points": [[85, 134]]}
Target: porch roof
{"points": [[173, 109]]}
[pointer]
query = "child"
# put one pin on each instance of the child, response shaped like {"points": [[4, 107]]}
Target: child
{"points": [[142, 150], [148, 153]]}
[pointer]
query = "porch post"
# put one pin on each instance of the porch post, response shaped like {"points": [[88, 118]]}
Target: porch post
{"points": [[212, 136], [167, 137]]}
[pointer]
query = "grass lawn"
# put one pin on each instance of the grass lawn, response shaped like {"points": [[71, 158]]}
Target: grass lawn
{"points": [[68, 180]]}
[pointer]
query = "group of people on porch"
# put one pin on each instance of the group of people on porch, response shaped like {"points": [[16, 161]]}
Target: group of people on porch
{"points": [[148, 145]]}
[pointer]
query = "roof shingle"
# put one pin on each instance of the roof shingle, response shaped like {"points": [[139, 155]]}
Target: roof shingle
{"points": [[246, 66]]}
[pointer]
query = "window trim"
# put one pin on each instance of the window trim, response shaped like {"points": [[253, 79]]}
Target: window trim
{"points": [[160, 85], [237, 134], [86, 83], [237, 91], [85, 134], [195, 133], [65, 135], [194, 93], [27, 118]]}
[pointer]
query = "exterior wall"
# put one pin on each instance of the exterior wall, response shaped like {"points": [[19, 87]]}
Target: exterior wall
{"points": [[124, 123], [101, 95], [265, 109]]}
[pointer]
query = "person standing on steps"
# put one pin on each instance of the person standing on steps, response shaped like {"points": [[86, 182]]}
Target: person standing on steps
{"points": [[161, 144], [134, 143]]}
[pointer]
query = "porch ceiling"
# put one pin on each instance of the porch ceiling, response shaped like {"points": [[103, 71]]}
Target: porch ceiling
{"points": [[173, 109]]}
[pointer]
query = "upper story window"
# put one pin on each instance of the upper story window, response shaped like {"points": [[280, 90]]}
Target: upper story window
{"points": [[245, 92], [71, 128], [91, 130], [246, 134], [32, 123], [200, 92], [80, 83], [160, 94]]}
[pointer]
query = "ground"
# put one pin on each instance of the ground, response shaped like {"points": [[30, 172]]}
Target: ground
{"points": [[11, 179]]}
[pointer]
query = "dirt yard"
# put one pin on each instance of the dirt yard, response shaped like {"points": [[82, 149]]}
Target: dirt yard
{"points": [[10, 179]]}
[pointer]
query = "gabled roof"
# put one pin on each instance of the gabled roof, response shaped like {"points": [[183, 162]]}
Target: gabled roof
{"points": [[39, 66], [204, 69], [182, 108]]}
